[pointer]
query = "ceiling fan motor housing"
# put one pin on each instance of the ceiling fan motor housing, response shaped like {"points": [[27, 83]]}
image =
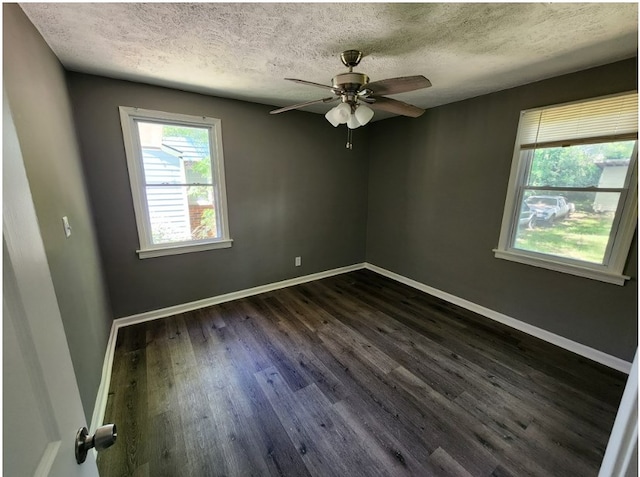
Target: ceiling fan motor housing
{"points": [[350, 83]]}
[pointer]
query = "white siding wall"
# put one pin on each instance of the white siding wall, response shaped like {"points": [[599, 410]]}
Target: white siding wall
{"points": [[168, 206]]}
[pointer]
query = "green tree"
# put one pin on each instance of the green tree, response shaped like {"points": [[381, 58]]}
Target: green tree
{"points": [[575, 166], [199, 136], [564, 166]]}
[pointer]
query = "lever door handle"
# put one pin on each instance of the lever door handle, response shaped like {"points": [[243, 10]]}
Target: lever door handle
{"points": [[104, 437]]}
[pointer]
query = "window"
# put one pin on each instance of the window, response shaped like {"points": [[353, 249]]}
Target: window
{"points": [[176, 169], [572, 197]]}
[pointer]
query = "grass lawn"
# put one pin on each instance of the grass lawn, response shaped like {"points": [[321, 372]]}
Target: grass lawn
{"points": [[583, 236]]}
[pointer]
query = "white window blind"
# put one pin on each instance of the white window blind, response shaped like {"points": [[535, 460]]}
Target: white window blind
{"points": [[614, 118]]}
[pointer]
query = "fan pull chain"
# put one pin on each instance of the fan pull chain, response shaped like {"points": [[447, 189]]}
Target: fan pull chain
{"points": [[349, 138]]}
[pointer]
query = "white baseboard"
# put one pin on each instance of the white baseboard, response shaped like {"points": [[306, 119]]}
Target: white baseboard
{"points": [[105, 382], [621, 455], [195, 305], [561, 341]]}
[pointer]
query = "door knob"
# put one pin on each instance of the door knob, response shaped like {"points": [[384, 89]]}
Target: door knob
{"points": [[105, 436]]}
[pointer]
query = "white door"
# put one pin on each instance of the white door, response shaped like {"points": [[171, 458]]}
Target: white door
{"points": [[41, 403]]}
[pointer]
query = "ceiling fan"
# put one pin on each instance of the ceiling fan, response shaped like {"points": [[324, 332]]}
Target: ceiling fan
{"points": [[359, 97]]}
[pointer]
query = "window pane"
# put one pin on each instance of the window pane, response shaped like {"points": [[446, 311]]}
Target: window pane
{"points": [[181, 213], [198, 171], [203, 218], [161, 167], [174, 154], [586, 165], [575, 225]]}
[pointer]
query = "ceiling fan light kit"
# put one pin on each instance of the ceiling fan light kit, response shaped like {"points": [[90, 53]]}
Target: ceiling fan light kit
{"points": [[344, 114], [360, 97]]}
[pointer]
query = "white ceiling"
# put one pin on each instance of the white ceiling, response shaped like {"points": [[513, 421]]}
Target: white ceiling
{"points": [[244, 50]]}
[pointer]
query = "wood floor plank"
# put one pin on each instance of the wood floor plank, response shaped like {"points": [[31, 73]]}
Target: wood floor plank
{"points": [[273, 343], [416, 348], [128, 384], [500, 374], [315, 452], [161, 395], [447, 465], [385, 442], [352, 375], [278, 452], [318, 410], [167, 451], [526, 349], [295, 340]]}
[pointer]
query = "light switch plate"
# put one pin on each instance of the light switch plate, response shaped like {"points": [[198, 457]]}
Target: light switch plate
{"points": [[67, 227]]}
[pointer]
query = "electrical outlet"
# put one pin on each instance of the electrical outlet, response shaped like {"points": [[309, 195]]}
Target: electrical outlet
{"points": [[298, 261]]}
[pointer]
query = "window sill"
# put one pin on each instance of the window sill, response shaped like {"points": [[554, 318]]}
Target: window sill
{"points": [[585, 272], [161, 251]]}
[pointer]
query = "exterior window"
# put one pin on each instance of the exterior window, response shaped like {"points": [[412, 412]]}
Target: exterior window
{"points": [[176, 169], [572, 198]]}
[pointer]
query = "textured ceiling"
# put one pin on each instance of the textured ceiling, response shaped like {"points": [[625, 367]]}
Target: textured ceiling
{"points": [[244, 50]]}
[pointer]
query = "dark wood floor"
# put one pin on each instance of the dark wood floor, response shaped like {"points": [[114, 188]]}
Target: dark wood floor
{"points": [[354, 375]]}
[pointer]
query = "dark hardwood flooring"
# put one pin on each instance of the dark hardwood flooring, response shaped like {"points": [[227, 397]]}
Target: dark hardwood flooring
{"points": [[353, 375]]}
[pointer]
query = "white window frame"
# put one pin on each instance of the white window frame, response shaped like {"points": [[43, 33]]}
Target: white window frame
{"points": [[128, 119], [623, 227]]}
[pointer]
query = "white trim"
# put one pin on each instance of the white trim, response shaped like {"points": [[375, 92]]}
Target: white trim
{"points": [[622, 450], [562, 342], [133, 153], [621, 233], [602, 275], [178, 249], [100, 406], [195, 305], [103, 391], [105, 382]]}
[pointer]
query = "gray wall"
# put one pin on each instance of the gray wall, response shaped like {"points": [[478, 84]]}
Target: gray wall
{"points": [[425, 196], [437, 187], [292, 188], [35, 85]]}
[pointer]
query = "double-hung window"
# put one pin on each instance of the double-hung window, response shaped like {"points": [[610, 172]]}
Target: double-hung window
{"points": [[176, 169], [572, 197]]}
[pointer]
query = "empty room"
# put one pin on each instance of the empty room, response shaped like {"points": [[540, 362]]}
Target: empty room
{"points": [[320, 239]]}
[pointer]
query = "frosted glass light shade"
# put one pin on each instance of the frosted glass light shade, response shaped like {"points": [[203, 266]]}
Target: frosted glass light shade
{"points": [[332, 117], [363, 114], [343, 111], [339, 115], [352, 122]]}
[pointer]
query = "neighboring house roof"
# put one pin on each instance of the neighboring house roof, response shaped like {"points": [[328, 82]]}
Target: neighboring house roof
{"points": [[612, 162], [186, 147]]}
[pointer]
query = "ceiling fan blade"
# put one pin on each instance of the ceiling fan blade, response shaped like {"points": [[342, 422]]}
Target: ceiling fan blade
{"points": [[394, 106], [317, 85], [302, 105], [402, 84]]}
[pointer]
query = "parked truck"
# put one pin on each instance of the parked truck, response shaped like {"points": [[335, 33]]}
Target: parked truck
{"points": [[548, 208]]}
